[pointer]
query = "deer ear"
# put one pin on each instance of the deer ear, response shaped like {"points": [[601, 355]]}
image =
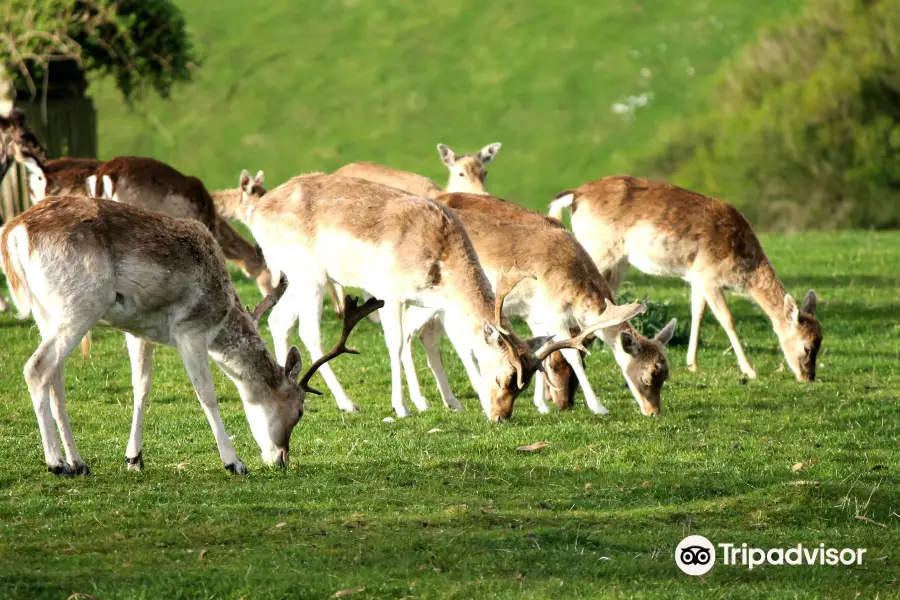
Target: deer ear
{"points": [[665, 334], [447, 155], [492, 335], [293, 363], [489, 152], [629, 343], [245, 180], [791, 312], [260, 178], [809, 303]]}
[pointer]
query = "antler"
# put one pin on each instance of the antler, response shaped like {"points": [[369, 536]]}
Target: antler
{"points": [[507, 281], [353, 314], [266, 304], [613, 315]]}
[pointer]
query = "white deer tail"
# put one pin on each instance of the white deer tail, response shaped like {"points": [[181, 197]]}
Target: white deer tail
{"points": [[13, 246], [560, 201]]}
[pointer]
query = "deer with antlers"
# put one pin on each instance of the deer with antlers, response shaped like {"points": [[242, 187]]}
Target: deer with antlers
{"points": [[73, 262], [665, 230], [407, 250], [547, 278]]}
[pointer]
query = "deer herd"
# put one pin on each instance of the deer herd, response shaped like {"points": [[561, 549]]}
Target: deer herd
{"points": [[134, 244]]}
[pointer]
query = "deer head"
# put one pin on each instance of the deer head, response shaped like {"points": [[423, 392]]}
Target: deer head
{"points": [[643, 361], [18, 142], [252, 187], [801, 338], [467, 172], [509, 374], [272, 422]]}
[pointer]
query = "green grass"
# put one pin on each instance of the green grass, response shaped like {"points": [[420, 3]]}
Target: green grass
{"points": [[293, 87], [457, 513]]}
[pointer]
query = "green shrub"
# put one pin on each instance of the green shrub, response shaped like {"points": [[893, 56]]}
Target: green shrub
{"points": [[804, 129], [140, 43]]}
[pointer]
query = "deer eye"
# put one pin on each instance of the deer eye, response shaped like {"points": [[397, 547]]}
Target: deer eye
{"points": [[461, 174]]}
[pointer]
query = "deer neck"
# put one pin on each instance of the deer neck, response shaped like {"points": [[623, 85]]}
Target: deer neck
{"points": [[228, 203], [767, 290], [241, 353]]}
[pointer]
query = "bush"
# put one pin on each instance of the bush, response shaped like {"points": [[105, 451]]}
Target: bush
{"points": [[804, 128], [140, 43]]}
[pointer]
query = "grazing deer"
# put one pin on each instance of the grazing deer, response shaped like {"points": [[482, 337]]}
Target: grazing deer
{"points": [[665, 230], [404, 249], [154, 185], [73, 262], [563, 293], [467, 173]]}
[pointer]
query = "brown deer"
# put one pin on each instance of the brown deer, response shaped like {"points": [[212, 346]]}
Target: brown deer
{"points": [[564, 293], [59, 177], [404, 249], [467, 173], [665, 230], [155, 185], [74, 262]]}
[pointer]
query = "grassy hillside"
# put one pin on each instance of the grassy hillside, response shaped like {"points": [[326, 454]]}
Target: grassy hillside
{"points": [[405, 511], [299, 86]]}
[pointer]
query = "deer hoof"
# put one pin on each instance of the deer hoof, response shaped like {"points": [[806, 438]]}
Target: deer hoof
{"points": [[237, 468], [80, 468], [135, 463], [692, 368], [61, 469]]}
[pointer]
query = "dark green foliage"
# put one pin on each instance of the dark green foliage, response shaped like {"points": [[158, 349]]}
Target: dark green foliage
{"points": [[804, 131], [139, 43]]}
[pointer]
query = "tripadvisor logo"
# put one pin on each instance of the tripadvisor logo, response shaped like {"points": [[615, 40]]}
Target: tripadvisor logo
{"points": [[696, 555]]}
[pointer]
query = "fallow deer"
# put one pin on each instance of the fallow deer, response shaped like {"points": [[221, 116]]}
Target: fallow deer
{"points": [[74, 262], [665, 230], [467, 173], [153, 184], [404, 249], [59, 177], [564, 293]]}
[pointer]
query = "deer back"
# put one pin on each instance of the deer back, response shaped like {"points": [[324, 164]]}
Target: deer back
{"points": [[411, 183], [152, 184]]}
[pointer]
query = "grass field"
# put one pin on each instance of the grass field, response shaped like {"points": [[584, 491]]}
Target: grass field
{"points": [[292, 87], [400, 510]]}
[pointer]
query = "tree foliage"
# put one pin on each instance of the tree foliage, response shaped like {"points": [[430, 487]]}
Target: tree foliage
{"points": [[804, 128], [140, 43]]}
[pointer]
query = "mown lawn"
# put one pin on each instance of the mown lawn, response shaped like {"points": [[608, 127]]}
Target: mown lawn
{"points": [[440, 505]]}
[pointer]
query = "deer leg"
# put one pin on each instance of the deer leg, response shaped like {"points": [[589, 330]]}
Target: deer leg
{"points": [[282, 318], [141, 354], [392, 323], [716, 300], [414, 318], [698, 307], [616, 273], [430, 336], [573, 357], [4, 307], [196, 362], [61, 416], [336, 291], [43, 375], [461, 343], [540, 401]]}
